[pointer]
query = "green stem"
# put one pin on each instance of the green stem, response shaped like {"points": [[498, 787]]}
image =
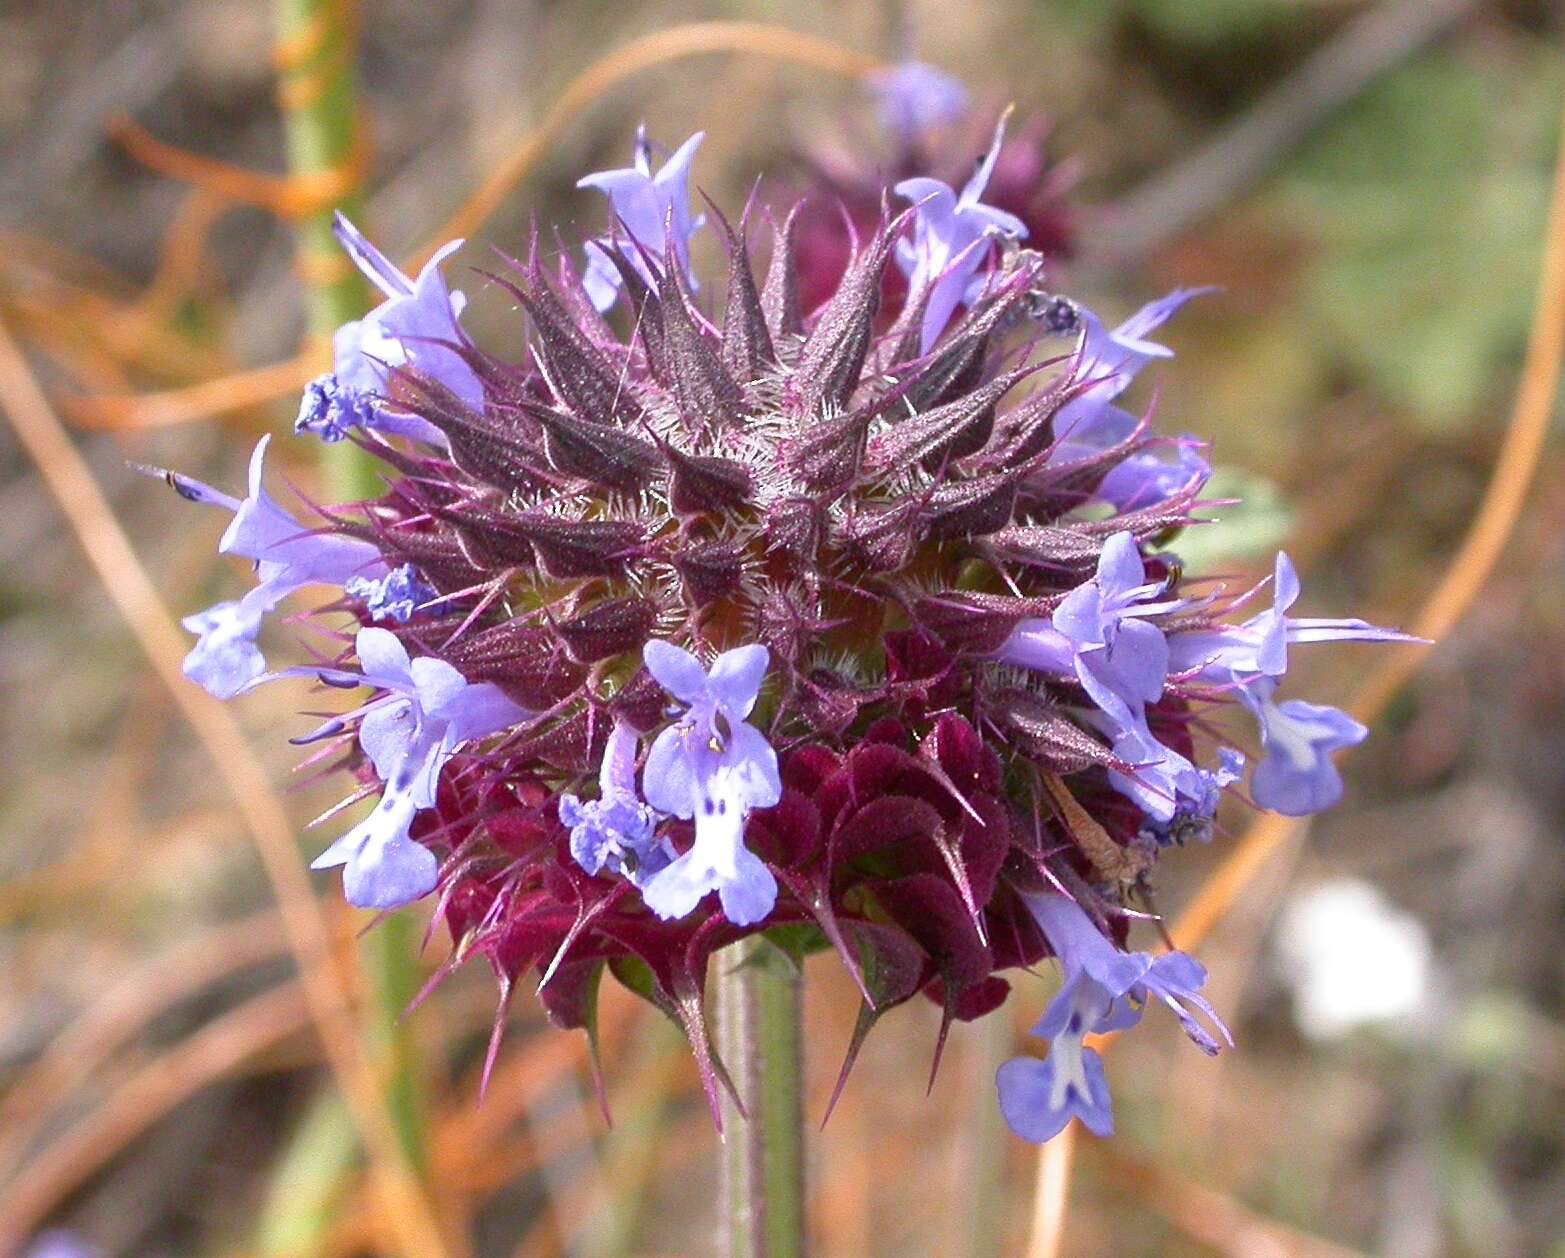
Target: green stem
{"points": [[309, 1180], [759, 1012], [629, 1151], [319, 93], [388, 958]]}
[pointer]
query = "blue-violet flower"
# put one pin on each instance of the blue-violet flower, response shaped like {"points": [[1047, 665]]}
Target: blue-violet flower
{"points": [[1103, 989], [646, 206], [712, 766], [914, 98], [616, 831], [952, 235], [427, 711], [287, 556], [414, 327]]}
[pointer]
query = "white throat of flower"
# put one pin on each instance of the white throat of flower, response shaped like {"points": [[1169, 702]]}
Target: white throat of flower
{"points": [[1089, 1002]]}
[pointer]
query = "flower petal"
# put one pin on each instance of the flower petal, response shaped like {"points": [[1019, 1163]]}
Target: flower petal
{"points": [[382, 655], [674, 891], [676, 670], [386, 734], [225, 659], [389, 869], [750, 764], [750, 894], [375, 266], [736, 676], [668, 780]]}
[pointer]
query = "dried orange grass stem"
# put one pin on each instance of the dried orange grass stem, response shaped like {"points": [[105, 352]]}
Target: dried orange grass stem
{"points": [[1052, 1194], [86, 1044], [68, 478], [1464, 578], [206, 1056], [293, 197], [195, 402], [289, 197], [691, 39], [1215, 1218], [181, 259]]}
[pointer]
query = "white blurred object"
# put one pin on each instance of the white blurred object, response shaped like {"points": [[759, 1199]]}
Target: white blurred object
{"points": [[1352, 958]]}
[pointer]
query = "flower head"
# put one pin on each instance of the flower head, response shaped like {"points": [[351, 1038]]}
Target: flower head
{"points": [[712, 766], [981, 675]]}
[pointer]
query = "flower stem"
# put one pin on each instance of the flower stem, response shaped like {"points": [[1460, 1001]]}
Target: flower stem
{"points": [[388, 958], [318, 92], [759, 1011]]}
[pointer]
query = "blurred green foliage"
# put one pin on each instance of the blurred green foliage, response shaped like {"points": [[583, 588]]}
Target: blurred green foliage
{"points": [[1427, 197], [1252, 528]]}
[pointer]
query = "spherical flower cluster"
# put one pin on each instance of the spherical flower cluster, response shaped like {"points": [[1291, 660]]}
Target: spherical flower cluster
{"points": [[707, 618]]}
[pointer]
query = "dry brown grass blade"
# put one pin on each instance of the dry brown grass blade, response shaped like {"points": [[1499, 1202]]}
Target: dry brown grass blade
{"points": [[181, 259], [196, 402], [70, 481], [80, 1050], [1213, 1217], [685, 1140], [286, 196], [478, 1149], [1464, 578], [111, 329], [521, 1076], [90, 366], [1051, 1194], [206, 1056], [688, 40], [245, 389]]}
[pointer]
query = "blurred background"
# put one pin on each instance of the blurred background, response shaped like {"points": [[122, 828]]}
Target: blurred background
{"points": [[1366, 182]]}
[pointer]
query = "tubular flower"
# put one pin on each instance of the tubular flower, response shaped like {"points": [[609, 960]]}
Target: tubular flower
{"points": [[414, 327], [618, 830], [770, 615], [426, 711], [287, 556], [914, 98], [713, 767], [1295, 776], [645, 206], [952, 236], [1102, 989]]}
